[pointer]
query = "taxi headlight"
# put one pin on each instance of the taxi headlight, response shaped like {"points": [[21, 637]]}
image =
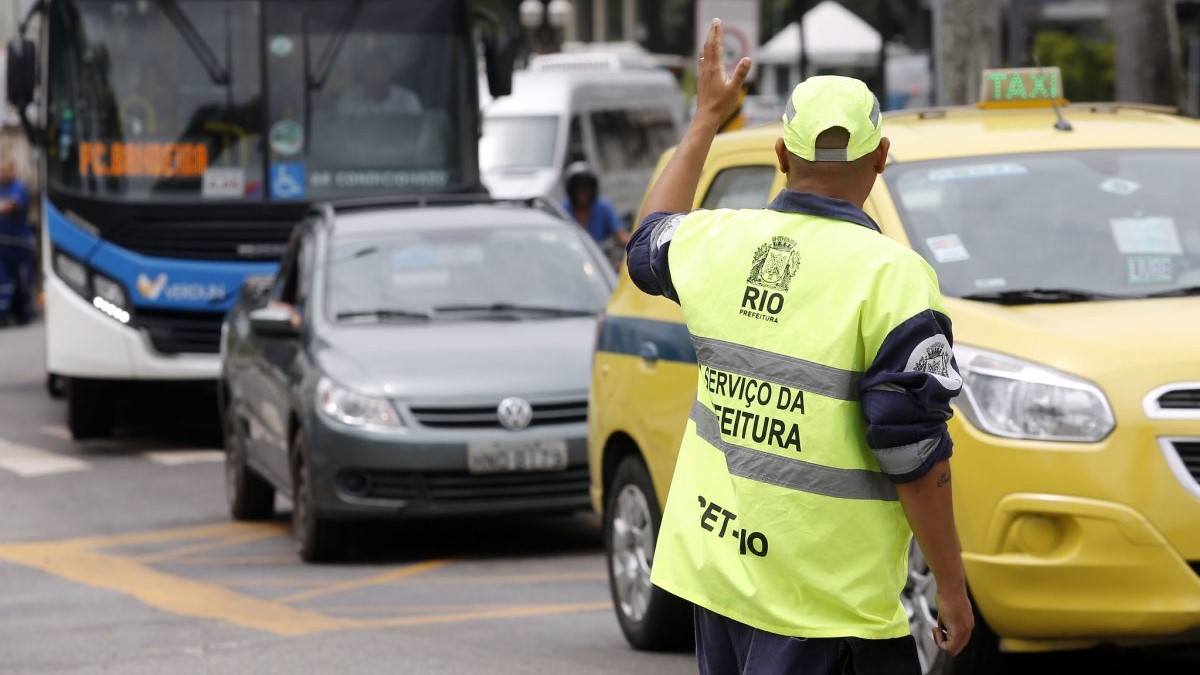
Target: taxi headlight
{"points": [[1014, 398], [354, 409]]}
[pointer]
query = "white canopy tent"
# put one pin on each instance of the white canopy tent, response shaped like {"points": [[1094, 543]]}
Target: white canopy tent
{"points": [[834, 37]]}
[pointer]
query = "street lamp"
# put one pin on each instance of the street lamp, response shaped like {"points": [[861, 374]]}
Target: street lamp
{"points": [[532, 13], [546, 22], [559, 13]]}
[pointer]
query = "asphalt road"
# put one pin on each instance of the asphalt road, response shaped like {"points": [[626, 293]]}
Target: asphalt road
{"points": [[118, 557]]}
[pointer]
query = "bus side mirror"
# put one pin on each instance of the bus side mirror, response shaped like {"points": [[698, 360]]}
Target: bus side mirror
{"points": [[21, 73], [500, 54]]}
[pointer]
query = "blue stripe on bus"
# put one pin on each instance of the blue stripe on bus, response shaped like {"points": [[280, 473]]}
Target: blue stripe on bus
{"points": [[153, 282], [668, 340]]}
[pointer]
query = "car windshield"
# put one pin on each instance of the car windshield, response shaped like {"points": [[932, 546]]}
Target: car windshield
{"points": [[527, 272], [1062, 226], [518, 143]]}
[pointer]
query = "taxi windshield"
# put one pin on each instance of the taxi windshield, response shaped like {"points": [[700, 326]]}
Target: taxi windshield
{"points": [[1063, 226], [465, 274]]}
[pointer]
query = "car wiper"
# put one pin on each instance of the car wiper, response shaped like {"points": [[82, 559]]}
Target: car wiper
{"points": [[1174, 293], [385, 314], [1032, 296], [509, 307]]}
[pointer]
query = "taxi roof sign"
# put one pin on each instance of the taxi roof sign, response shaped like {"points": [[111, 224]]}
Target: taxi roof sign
{"points": [[1021, 88]]}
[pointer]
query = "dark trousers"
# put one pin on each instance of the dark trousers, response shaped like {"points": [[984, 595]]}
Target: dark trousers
{"points": [[16, 281], [727, 647]]}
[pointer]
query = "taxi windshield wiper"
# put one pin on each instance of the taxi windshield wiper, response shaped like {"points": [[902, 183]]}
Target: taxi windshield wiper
{"points": [[1174, 293], [385, 314], [509, 307], [1033, 296]]}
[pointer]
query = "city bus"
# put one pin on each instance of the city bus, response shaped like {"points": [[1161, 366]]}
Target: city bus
{"points": [[181, 140]]}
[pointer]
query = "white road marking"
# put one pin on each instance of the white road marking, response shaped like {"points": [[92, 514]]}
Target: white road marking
{"points": [[181, 457], [29, 462]]}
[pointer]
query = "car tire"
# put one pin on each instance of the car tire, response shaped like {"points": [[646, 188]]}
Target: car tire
{"points": [[249, 495], [91, 408], [651, 618], [982, 653], [317, 539]]}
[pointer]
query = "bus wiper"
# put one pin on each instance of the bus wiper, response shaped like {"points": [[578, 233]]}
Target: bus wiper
{"points": [[332, 48], [385, 314], [510, 307], [195, 41], [1174, 293], [1033, 296]]}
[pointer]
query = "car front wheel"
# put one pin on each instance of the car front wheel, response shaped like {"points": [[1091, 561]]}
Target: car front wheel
{"points": [[317, 540], [650, 617], [920, 603], [249, 495]]}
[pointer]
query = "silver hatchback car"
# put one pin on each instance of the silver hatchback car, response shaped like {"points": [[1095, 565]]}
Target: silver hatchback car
{"points": [[413, 361]]}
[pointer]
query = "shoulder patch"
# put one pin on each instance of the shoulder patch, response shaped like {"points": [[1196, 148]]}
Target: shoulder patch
{"points": [[934, 356], [665, 230]]}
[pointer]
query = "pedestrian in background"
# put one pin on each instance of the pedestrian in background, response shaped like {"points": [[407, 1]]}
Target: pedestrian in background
{"points": [[593, 212], [818, 437], [16, 245]]}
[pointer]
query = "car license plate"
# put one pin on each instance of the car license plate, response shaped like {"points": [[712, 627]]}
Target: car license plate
{"points": [[509, 457]]}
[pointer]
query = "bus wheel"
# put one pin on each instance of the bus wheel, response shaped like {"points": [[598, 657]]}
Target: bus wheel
{"points": [[91, 408], [55, 386], [650, 617]]}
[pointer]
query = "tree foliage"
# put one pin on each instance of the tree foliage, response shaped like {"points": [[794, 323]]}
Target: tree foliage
{"points": [[1088, 65]]}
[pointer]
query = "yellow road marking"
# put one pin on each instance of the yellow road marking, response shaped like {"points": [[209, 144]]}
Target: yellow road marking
{"points": [[86, 561], [290, 560], [167, 592], [273, 582], [386, 577], [224, 542]]}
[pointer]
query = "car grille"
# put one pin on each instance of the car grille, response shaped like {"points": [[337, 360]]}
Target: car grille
{"points": [[221, 240], [485, 417], [1180, 399], [173, 332], [455, 489], [1189, 453]]}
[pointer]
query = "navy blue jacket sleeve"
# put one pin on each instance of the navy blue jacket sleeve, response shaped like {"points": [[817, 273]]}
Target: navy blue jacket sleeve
{"points": [[906, 394], [646, 254]]}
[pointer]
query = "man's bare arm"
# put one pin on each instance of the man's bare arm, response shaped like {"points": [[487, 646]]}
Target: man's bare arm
{"points": [[716, 99], [927, 502]]}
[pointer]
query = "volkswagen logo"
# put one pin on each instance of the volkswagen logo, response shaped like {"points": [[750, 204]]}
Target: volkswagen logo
{"points": [[514, 413]]}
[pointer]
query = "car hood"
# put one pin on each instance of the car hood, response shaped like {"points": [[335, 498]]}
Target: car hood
{"points": [[462, 361], [1117, 344]]}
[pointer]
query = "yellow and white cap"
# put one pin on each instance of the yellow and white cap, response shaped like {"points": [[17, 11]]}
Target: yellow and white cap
{"points": [[827, 101]]}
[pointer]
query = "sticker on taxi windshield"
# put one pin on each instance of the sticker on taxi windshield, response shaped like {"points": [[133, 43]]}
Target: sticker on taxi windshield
{"points": [[1146, 235], [1120, 186], [974, 171], [1145, 269], [947, 248]]}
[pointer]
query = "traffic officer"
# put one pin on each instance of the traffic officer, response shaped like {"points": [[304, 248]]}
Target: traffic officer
{"points": [[818, 437]]}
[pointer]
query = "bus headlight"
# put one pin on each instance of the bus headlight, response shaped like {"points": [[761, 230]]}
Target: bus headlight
{"points": [[72, 272], [1014, 398], [110, 298], [354, 409]]}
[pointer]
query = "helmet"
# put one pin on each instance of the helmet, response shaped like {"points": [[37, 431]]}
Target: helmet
{"points": [[579, 176]]}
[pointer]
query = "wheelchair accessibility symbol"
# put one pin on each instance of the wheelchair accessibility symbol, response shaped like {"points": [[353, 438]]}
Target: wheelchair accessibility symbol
{"points": [[289, 180]]}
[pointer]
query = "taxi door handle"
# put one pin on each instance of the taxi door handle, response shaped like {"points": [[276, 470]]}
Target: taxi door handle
{"points": [[649, 352]]}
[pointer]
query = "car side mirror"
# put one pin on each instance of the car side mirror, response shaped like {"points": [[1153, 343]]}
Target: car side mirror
{"points": [[20, 72], [273, 321]]}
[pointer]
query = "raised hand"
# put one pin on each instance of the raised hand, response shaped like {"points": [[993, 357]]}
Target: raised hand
{"points": [[716, 92]]}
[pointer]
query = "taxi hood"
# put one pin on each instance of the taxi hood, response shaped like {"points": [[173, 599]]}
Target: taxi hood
{"points": [[1109, 342]]}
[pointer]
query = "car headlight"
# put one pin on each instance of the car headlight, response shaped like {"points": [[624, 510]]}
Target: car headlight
{"points": [[1011, 397], [354, 409]]}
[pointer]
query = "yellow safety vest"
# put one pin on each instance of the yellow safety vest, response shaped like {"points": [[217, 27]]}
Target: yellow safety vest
{"points": [[778, 515]]}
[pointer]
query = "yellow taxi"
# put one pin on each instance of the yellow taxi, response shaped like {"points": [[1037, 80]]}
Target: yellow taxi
{"points": [[1067, 242]]}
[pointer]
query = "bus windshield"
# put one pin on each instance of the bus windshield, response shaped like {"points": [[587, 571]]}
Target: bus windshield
{"points": [[252, 100]]}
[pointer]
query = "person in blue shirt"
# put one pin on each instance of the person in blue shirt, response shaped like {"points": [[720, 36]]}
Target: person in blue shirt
{"points": [[594, 213], [16, 246]]}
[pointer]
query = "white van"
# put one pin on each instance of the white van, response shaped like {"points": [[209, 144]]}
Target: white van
{"points": [[582, 106]]}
